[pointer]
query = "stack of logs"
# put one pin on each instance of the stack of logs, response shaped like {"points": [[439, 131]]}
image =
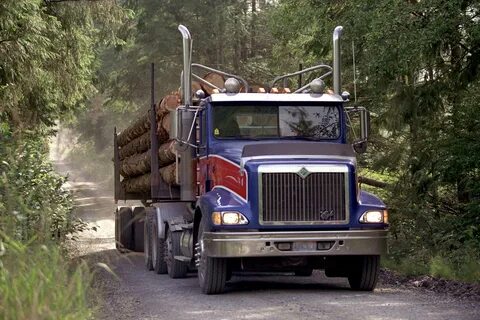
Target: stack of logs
{"points": [[135, 153], [134, 142]]}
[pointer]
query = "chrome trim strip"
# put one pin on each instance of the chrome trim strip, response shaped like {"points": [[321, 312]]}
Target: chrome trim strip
{"points": [[258, 244], [219, 186], [244, 160], [294, 169]]}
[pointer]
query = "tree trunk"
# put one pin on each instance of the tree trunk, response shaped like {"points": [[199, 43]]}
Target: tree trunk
{"points": [[372, 182], [142, 183], [142, 125], [135, 130], [169, 103], [253, 26], [137, 145], [139, 164]]}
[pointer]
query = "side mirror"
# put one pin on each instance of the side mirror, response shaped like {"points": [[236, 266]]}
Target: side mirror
{"points": [[360, 144]]}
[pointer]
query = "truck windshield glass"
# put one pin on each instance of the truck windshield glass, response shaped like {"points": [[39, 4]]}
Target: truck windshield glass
{"points": [[267, 121]]}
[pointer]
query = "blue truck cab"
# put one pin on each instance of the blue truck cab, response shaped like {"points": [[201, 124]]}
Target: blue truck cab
{"points": [[267, 182]]}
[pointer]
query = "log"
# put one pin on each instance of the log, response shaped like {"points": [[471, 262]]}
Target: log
{"points": [[215, 79], [142, 183], [137, 184], [169, 103], [195, 87], [168, 174], [166, 122], [136, 164], [142, 144], [135, 130], [137, 145], [372, 182], [139, 164], [166, 153]]}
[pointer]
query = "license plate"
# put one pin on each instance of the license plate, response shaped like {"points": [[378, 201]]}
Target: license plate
{"points": [[305, 246]]}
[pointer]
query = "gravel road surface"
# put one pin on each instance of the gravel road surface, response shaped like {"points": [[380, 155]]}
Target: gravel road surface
{"points": [[138, 294]]}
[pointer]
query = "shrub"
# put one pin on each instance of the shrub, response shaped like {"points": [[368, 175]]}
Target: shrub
{"points": [[36, 282], [33, 203]]}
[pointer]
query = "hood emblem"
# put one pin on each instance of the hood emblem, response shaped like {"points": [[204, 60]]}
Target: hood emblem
{"points": [[303, 173]]}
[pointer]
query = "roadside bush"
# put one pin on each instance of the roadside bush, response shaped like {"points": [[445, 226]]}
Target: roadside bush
{"points": [[36, 282], [33, 203]]}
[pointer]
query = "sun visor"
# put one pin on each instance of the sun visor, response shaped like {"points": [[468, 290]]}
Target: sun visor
{"points": [[298, 148]]}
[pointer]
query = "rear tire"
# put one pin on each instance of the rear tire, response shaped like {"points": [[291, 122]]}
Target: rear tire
{"points": [[212, 272], [124, 229], [139, 233], [158, 250], [147, 242], [176, 269], [364, 273]]}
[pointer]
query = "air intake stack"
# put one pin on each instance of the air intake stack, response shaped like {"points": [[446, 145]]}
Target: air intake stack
{"points": [[186, 134], [337, 60]]}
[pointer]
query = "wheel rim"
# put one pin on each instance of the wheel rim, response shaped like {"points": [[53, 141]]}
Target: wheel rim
{"points": [[200, 260]]}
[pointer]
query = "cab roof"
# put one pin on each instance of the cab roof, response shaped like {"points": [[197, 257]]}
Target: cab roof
{"points": [[273, 97]]}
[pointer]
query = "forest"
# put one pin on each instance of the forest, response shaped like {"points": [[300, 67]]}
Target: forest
{"points": [[84, 65]]}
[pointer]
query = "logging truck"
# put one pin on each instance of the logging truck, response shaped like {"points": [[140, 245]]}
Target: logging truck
{"points": [[233, 178]]}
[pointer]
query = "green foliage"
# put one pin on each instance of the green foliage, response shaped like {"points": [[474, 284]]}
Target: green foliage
{"points": [[418, 70], [36, 282], [229, 35], [48, 57], [33, 202], [48, 64]]}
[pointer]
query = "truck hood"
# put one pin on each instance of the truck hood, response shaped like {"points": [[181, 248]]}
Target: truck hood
{"points": [[242, 153]]}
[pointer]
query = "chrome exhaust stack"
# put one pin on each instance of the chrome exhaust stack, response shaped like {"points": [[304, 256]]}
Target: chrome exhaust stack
{"points": [[187, 66], [337, 60], [185, 116]]}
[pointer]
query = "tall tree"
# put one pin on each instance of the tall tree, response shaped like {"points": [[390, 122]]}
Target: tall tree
{"points": [[418, 66]]}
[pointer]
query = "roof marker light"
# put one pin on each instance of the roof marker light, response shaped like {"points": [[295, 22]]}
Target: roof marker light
{"points": [[317, 86], [232, 85]]}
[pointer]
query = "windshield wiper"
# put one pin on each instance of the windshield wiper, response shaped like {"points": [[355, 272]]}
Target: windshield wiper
{"points": [[299, 138], [242, 137]]}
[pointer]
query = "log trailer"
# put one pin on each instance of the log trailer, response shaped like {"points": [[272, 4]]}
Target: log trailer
{"points": [[263, 182]]}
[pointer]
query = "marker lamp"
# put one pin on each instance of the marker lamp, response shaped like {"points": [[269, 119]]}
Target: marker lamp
{"points": [[374, 216], [228, 218]]}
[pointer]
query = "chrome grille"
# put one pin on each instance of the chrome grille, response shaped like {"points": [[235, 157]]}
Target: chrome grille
{"points": [[319, 198]]}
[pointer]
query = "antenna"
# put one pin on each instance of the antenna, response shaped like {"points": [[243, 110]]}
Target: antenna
{"points": [[354, 73]]}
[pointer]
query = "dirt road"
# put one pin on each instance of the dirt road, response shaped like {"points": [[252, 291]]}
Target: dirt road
{"points": [[139, 294]]}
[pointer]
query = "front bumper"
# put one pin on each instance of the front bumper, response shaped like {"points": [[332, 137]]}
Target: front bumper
{"points": [[265, 244]]}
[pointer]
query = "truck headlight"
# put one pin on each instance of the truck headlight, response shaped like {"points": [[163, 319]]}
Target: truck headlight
{"points": [[374, 216], [228, 218]]}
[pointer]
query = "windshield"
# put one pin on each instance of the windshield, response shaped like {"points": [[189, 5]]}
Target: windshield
{"points": [[276, 121]]}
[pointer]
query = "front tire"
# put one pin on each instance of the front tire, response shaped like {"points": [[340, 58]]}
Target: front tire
{"points": [[158, 250], [176, 269], [212, 272], [364, 274]]}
